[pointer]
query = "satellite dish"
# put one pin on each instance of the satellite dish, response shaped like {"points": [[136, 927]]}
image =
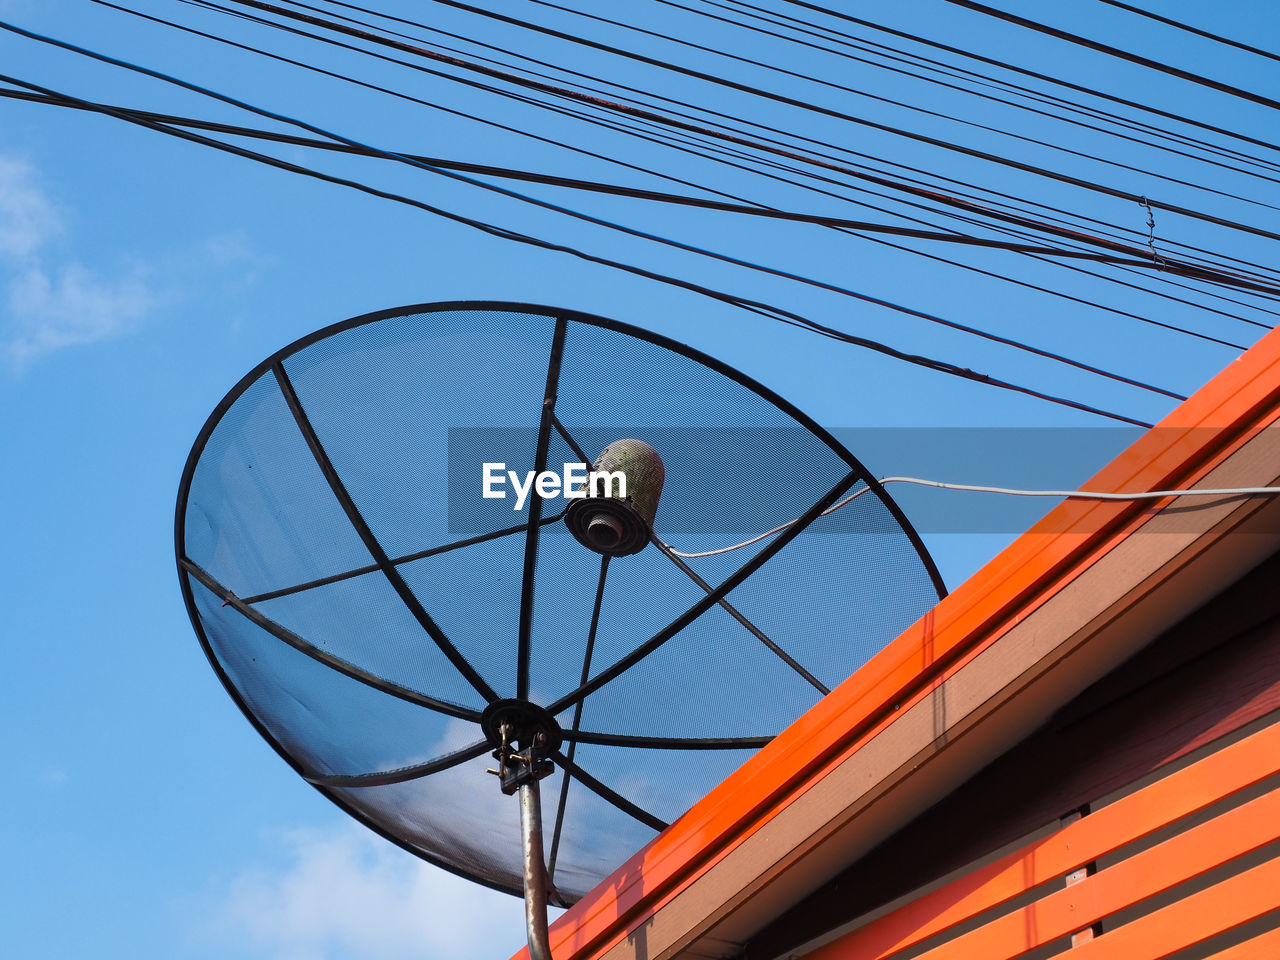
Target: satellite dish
{"points": [[396, 620]]}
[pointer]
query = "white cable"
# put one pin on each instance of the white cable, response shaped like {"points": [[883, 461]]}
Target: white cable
{"points": [[767, 533], [1091, 494], [1068, 494]]}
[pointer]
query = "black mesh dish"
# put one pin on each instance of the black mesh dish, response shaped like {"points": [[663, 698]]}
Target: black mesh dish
{"points": [[362, 603]]}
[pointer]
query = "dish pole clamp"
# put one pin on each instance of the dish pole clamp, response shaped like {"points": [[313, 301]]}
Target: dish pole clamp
{"points": [[524, 738]]}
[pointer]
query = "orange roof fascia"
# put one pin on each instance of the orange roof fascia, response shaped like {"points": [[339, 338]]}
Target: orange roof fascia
{"points": [[1191, 440]]}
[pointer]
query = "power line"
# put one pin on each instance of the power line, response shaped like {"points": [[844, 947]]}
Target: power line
{"points": [[666, 65], [764, 309], [956, 72], [1015, 233], [845, 226], [593, 120], [617, 126], [696, 74], [1024, 71], [590, 186], [847, 40], [1190, 29], [821, 221], [866, 298], [887, 100], [433, 104], [953, 74], [1117, 52], [1021, 234], [603, 105], [658, 239], [671, 3], [589, 102], [1175, 266]]}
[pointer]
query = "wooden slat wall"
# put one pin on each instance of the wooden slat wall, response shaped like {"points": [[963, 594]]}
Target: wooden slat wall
{"points": [[1223, 906], [1261, 947], [1205, 679], [1065, 908]]}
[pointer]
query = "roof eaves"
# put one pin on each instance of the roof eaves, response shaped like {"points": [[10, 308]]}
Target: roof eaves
{"points": [[1191, 441]]}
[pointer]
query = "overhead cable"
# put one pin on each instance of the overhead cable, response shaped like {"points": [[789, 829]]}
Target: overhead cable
{"points": [[614, 159], [1190, 29], [1024, 71], [757, 91], [1177, 266], [523, 131], [427, 165], [834, 288], [855, 227], [935, 68], [589, 186], [587, 101], [1117, 53], [1013, 233], [661, 118], [754, 306], [954, 71]]}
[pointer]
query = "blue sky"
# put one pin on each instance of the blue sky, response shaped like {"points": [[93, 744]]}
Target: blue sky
{"points": [[141, 277]]}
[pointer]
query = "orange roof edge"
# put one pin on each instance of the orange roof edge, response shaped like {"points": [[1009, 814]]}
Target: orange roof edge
{"points": [[1193, 438]]}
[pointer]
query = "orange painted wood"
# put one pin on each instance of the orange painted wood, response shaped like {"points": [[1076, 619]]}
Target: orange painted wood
{"points": [[1187, 855], [1193, 788], [1263, 947], [1202, 915], [1187, 443], [1084, 936], [1209, 675]]}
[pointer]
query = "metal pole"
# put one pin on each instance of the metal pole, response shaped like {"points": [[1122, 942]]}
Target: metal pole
{"points": [[535, 871]]}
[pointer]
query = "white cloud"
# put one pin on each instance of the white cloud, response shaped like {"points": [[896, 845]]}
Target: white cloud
{"points": [[52, 303], [228, 248], [27, 218], [345, 892], [70, 308]]}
